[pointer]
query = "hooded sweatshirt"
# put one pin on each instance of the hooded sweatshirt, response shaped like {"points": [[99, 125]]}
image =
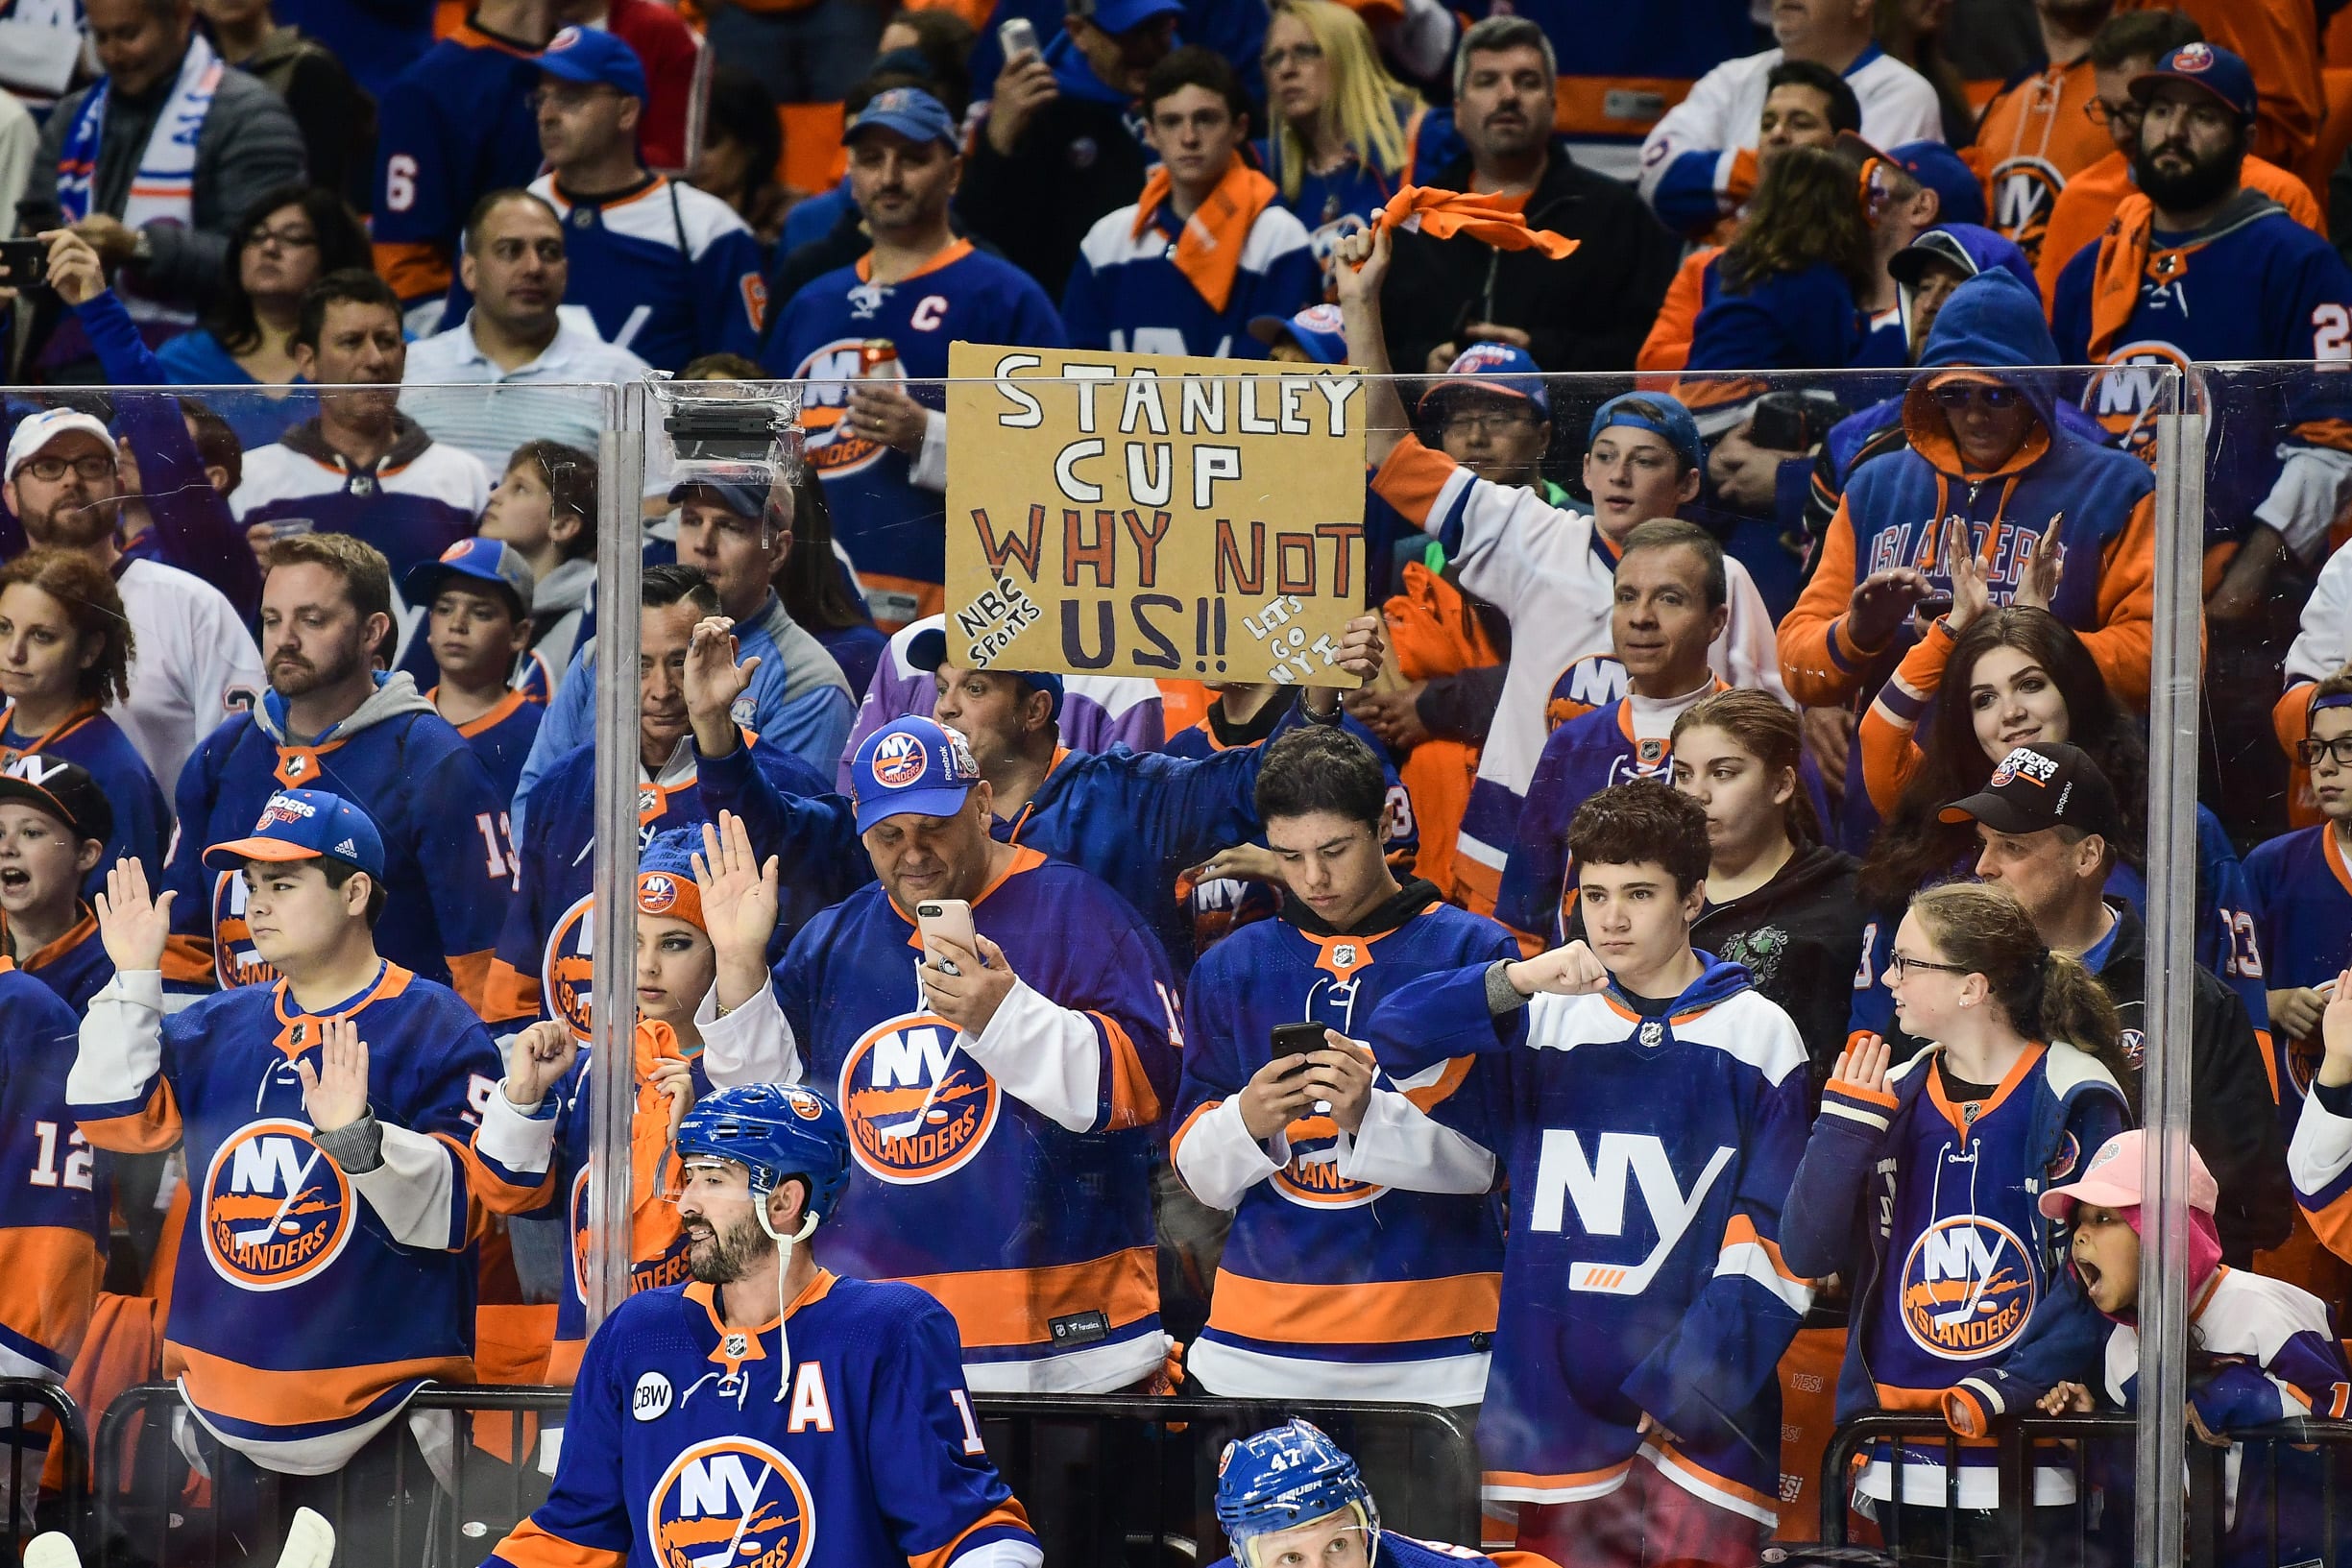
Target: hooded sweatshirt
{"points": [[446, 867], [1895, 512], [1797, 934]]}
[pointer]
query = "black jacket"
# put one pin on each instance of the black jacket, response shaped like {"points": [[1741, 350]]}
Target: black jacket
{"points": [[1801, 935], [1075, 160], [2232, 1122], [1587, 313]]}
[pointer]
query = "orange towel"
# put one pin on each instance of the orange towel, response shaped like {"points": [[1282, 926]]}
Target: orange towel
{"points": [[1441, 214], [1210, 251]]}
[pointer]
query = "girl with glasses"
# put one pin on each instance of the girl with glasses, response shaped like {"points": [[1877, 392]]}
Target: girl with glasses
{"points": [[1343, 127], [1919, 1188]]}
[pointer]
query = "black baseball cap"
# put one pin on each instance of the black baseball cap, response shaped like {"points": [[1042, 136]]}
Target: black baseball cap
{"points": [[2049, 785], [65, 790]]}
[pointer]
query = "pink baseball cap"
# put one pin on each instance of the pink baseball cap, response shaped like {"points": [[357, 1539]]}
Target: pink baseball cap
{"points": [[2112, 1180]]}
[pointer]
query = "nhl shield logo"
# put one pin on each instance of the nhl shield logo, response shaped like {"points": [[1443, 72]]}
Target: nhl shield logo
{"points": [[1653, 1034], [1967, 1288], [730, 1503], [277, 1211], [917, 1108]]}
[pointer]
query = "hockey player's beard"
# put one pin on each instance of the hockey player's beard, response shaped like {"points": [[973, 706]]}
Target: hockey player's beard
{"points": [[727, 1256], [2197, 186]]}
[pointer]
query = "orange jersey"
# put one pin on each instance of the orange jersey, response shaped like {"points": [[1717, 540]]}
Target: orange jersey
{"points": [[2083, 209], [2034, 137]]}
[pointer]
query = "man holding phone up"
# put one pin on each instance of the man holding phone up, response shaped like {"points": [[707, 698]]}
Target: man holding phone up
{"points": [[1275, 1094], [999, 1032]]}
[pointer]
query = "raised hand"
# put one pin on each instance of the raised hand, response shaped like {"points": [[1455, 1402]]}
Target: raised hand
{"points": [[1572, 971], [133, 925], [738, 893], [673, 1079], [1876, 608], [1363, 264], [2336, 1033], [335, 1094], [1971, 594], [714, 680], [1865, 1063], [2038, 585], [537, 1062], [75, 271]]}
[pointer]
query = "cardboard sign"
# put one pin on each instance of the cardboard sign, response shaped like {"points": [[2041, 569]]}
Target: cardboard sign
{"points": [[1151, 516]]}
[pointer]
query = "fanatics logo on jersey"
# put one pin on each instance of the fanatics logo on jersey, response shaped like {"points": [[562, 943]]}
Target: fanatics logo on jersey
{"points": [[898, 761], [1968, 1288], [277, 1211], [917, 1108], [730, 1503], [567, 970]]}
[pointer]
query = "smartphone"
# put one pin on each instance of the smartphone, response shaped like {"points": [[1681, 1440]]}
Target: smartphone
{"points": [[1017, 37], [951, 918], [24, 263], [1298, 1040]]}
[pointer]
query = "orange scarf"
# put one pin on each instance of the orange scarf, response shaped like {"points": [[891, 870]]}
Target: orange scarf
{"points": [[2125, 259], [1208, 253], [1441, 214]]}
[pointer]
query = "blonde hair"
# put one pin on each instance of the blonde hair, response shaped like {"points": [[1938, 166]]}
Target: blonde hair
{"points": [[1368, 106]]}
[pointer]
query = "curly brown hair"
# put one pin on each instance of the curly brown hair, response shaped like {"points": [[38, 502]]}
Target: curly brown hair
{"points": [[1645, 820], [93, 607], [1807, 211]]}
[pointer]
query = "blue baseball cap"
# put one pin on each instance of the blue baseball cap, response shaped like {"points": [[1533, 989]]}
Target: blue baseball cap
{"points": [[1656, 413], [1115, 16], [593, 57], [1316, 329], [305, 825], [912, 765], [911, 111], [2218, 71], [490, 560], [927, 649], [1959, 194], [745, 498], [1492, 367]]}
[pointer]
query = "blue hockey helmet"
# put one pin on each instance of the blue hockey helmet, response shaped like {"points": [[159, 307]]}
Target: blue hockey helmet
{"points": [[776, 1132], [1285, 1477]]}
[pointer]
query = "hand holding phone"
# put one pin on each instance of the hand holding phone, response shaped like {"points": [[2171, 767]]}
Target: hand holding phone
{"points": [[24, 263], [951, 918]]}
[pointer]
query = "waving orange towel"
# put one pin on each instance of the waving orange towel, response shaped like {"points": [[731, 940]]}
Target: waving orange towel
{"points": [[1208, 253], [1441, 214]]}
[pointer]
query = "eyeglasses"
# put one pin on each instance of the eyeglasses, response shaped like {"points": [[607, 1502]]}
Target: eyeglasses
{"points": [[52, 469], [1971, 392], [2337, 751], [288, 239], [1897, 966], [1492, 422], [2098, 112], [1299, 53]]}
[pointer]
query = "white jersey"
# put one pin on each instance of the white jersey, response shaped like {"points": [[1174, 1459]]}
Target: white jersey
{"points": [[195, 664]]}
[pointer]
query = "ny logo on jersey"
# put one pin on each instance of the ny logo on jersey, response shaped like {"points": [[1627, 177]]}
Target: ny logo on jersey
{"points": [[917, 1107], [729, 1501], [1596, 1185], [1966, 1287], [276, 1210]]}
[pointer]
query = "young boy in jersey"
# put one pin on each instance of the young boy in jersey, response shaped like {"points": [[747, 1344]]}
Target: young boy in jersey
{"points": [[325, 1273], [478, 603], [54, 824], [769, 1404], [2302, 897], [1289, 1497], [2266, 1351], [1650, 1107], [1332, 1287]]}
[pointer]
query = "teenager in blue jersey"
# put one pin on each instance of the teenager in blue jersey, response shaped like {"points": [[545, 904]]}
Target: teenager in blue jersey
{"points": [[2302, 887], [54, 822], [772, 1404], [693, 676], [477, 602], [325, 1273], [451, 129], [1918, 1188], [1290, 1496], [1330, 1286], [1207, 247], [733, 535], [1339, 137], [1633, 1411], [1135, 820], [667, 271], [881, 448], [331, 720], [2199, 266]]}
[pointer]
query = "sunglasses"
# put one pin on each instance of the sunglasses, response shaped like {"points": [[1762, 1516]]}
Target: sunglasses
{"points": [[1962, 395]]}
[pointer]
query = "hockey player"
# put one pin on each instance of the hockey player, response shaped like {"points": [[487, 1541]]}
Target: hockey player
{"points": [[1634, 1397], [325, 1273], [1332, 1286], [770, 1405], [54, 821], [330, 720], [477, 601], [881, 448], [1289, 1497], [995, 1082]]}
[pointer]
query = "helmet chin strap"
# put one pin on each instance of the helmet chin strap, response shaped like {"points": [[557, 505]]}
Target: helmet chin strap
{"points": [[784, 1264]]}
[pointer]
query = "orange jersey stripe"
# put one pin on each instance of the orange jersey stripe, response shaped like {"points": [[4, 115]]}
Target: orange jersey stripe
{"points": [[1388, 1312], [1013, 1306], [261, 1397]]}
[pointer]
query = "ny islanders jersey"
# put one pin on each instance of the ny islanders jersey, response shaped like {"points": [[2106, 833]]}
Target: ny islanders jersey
{"points": [[2302, 898], [421, 497], [1649, 1158], [1009, 1175], [689, 1442], [308, 1303], [143, 821], [1330, 1286], [75, 965], [59, 1207], [1126, 293], [502, 739], [894, 528], [453, 128]]}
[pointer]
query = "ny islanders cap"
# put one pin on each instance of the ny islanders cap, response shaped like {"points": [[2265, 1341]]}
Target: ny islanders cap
{"points": [[2217, 71], [1316, 329], [1117, 16], [2047, 784], [927, 649], [305, 825], [665, 882], [911, 111], [1492, 367], [913, 764], [1657, 413], [2112, 1180], [486, 561], [60, 789], [593, 57], [35, 431]]}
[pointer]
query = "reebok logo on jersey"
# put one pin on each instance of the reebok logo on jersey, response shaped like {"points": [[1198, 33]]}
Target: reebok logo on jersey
{"points": [[917, 1108], [730, 1503], [1967, 1288], [276, 1209]]}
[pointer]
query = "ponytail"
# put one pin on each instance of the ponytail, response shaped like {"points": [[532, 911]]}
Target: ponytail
{"points": [[2075, 1008]]}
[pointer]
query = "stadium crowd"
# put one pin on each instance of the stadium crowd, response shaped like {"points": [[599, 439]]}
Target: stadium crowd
{"points": [[1691, 992]]}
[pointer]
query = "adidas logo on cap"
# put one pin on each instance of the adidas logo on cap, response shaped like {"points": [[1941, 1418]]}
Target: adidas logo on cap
{"points": [[346, 848]]}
